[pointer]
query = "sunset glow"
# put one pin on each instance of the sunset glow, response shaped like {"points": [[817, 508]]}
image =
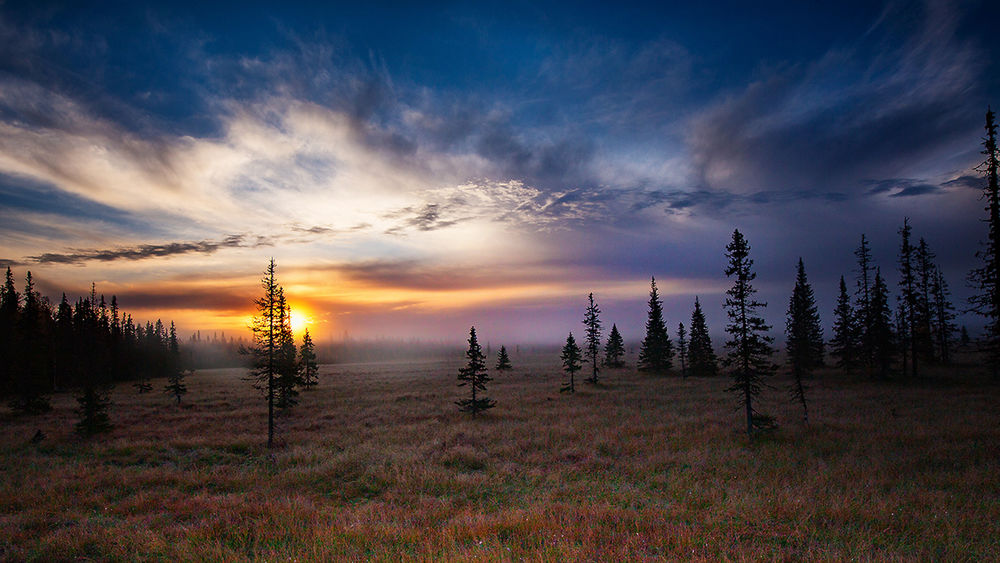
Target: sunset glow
{"points": [[397, 194]]}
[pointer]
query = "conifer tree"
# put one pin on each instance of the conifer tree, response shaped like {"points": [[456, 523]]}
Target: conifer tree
{"points": [[943, 312], [288, 379], [881, 327], [986, 278], [749, 347], [503, 360], [964, 338], [592, 322], [845, 331], [10, 305], [804, 343], [682, 349], [863, 324], [909, 297], [701, 354], [307, 361], [571, 357], [176, 387], [265, 349], [93, 410], [656, 354], [474, 375], [32, 377], [614, 350]]}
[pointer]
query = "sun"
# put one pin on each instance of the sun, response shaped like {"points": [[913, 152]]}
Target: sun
{"points": [[299, 322]]}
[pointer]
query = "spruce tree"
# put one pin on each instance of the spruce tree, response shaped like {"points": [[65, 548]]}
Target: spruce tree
{"points": [[571, 357], [592, 322], [749, 347], [986, 278], [474, 375], [503, 360], [881, 327], [176, 387], [844, 346], [614, 350], [32, 376], [863, 309], [804, 343], [288, 379], [909, 296], [701, 354], [10, 306], [924, 330], [964, 339], [309, 369], [682, 349], [656, 354], [943, 312], [265, 349], [93, 410]]}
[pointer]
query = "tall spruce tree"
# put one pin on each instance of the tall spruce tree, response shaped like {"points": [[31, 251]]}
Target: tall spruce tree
{"points": [[571, 357], [288, 377], [592, 322], [749, 348], [909, 296], [844, 345], [503, 360], [943, 311], [308, 368], [985, 279], [863, 310], [265, 350], [804, 343], [474, 375], [32, 377], [614, 350], [883, 349], [924, 330], [682, 348], [701, 354], [656, 354], [10, 306]]}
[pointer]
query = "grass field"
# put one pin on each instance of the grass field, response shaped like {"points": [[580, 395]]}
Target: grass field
{"points": [[376, 462]]}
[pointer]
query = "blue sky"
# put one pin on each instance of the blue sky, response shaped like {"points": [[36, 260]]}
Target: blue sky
{"points": [[415, 169]]}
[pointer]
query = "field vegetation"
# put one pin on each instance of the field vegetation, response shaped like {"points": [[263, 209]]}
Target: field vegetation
{"points": [[377, 462]]}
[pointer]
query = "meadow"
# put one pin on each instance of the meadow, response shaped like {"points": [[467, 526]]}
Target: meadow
{"points": [[376, 462]]}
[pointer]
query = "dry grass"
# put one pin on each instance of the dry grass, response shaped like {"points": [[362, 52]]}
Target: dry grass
{"points": [[376, 463]]}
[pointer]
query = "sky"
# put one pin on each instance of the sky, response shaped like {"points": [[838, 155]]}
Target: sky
{"points": [[417, 168]]}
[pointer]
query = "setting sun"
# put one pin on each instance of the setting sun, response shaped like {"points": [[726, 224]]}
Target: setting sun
{"points": [[299, 322]]}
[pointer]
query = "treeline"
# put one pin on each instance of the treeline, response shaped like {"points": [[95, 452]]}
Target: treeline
{"points": [[89, 345]]}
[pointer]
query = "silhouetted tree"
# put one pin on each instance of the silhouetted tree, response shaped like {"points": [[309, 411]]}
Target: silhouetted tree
{"points": [[804, 343], [963, 338], [923, 333], [749, 346], [592, 322], [682, 349], [475, 376], [881, 327], [265, 350], [32, 379], [909, 296], [10, 305], [309, 369], [701, 354], [503, 360], [571, 357], [176, 387], [656, 354], [863, 309], [288, 379], [93, 410], [614, 350], [986, 278], [844, 346], [943, 316]]}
